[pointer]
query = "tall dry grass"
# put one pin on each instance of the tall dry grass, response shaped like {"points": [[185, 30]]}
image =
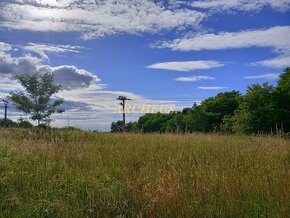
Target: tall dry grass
{"points": [[85, 174]]}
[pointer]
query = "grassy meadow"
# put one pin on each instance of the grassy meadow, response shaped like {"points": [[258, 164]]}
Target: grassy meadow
{"points": [[87, 174]]}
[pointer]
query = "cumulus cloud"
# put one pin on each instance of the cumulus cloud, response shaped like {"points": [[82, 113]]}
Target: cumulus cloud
{"points": [[96, 18], [212, 87], [69, 77], [193, 78], [186, 65], [241, 5], [264, 76], [11, 66]]}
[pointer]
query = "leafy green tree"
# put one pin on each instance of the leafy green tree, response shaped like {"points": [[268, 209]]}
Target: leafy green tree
{"points": [[180, 126], [22, 123], [117, 126], [196, 119], [172, 122], [255, 113], [153, 122], [37, 98], [9, 123], [281, 101], [224, 104], [132, 127]]}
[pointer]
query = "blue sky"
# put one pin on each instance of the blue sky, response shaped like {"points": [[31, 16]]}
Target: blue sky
{"points": [[155, 52]]}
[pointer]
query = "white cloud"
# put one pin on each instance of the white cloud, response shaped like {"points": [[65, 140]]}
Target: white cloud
{"points": [[241, 5], [193, 78], [276, 38], [278, 62], [4, 47], [44, 49], [212, 87], [264, 76], [186, 65], [69, 77], [11, 66], [6, 85], [96, 18]]}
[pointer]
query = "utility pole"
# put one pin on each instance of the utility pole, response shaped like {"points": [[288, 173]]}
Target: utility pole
{"points": [[5, 114], [123, 100]]}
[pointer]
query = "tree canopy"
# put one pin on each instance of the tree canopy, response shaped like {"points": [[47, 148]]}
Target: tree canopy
{"points": [[37, 99]]}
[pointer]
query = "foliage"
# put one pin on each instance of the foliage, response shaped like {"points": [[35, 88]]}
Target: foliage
{"points": [[22, 123], [36, 100], [117, 126], [224, 104], [255, 112], [9, 123], [281, 101]]}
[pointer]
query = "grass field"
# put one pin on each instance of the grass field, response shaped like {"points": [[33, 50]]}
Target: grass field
{"points": [[86, 174]]}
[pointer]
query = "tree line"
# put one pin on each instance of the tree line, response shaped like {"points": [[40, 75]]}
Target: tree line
{"points": [[263, 109]]}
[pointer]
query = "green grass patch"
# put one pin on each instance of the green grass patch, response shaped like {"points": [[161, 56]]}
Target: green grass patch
{"points": [[86, 174]]}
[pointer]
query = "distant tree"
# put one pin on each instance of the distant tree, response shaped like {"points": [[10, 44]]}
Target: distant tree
{"points": [[22, 123], [117, 126], [224, 104], [255, 113], [129, 127], [37, 98], [172, 124], [132, 127], [9, 123], [153, 122], [196, 119], [180, 126], [281, 101]]}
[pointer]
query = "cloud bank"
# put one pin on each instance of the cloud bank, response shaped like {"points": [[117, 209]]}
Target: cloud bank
{"points": [[241, 5], [96, 18]]}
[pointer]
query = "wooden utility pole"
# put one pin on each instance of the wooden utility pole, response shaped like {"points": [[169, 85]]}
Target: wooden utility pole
{"points": [[123, 100], [5, 114]]}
